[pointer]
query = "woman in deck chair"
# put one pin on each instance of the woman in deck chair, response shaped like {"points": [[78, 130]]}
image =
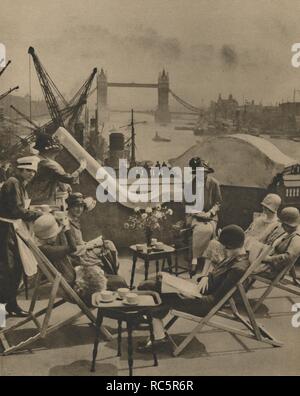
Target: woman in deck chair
{"points": [[57, 243], [97, 251], [220, 280], [286, 248], [264, 229]]}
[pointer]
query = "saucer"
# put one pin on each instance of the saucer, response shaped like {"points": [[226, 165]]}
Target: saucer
{"points": [[128, 303], [107, 301]]}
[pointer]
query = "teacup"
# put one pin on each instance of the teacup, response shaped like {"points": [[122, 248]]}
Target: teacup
{"points": [[159, 245], [107, 295], [45, 208], [132, 298], [139, 247], [60, 215], [122, 292]]}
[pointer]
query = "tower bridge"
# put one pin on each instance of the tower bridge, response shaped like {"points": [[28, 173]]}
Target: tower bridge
{"points": [[162, 113]]}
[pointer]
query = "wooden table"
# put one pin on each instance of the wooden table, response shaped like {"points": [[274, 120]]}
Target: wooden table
{"points": [[148, 255], [132, 316]]}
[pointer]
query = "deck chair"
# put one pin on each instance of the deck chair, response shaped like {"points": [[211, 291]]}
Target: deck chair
{"points": [[182, 243], [55, 278], [285, 280], [252, 329]]}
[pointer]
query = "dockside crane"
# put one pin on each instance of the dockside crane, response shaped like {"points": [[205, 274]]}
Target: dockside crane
{"points": [[2, 96], [80, 99], [70, 111], [47, 85], [5, 67]]}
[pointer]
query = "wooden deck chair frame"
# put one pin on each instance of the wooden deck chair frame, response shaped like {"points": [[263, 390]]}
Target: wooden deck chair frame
{"points": [[46, 268], [291, 285], [253, 329]]}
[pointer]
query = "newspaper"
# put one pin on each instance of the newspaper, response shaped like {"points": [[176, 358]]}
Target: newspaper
{"points": [[171, 284]]}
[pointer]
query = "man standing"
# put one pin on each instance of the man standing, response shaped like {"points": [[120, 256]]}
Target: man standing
{"points": [[14, 204]]}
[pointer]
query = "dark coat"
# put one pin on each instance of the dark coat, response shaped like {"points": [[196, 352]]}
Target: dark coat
{"points": [[221, 280], [12, 206]]}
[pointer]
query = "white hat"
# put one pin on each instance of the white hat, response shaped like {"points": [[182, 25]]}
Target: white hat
{"points": [[46, 227], [30, 163], [271, 202]]}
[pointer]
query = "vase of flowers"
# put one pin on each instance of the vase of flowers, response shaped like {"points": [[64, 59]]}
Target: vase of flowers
{"points": [[149, 220]]}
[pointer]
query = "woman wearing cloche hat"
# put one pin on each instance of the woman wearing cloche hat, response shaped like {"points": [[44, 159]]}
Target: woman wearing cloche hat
{"points": [[94, 252], [204, 222], [51, 176]]}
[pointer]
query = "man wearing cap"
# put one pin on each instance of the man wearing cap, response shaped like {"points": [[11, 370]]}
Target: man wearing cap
{"points": [[204, 223], [286, 248], [14, 204], [222, 278], [51, 176]]}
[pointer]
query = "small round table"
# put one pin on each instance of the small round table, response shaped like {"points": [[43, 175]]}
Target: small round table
{"points": [[132, 316], [148, 255]]}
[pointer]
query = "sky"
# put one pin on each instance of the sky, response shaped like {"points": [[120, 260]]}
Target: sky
{"points": [[208, 47]]}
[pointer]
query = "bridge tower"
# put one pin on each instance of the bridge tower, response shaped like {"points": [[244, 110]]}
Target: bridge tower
{"points": [[102, 87], [162, 113]]}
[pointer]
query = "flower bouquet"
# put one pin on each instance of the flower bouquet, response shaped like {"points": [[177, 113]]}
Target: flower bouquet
{"points": [[148, 220]]}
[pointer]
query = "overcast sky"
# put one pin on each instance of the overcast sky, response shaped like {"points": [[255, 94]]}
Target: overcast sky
{"points": [[241, 47]]}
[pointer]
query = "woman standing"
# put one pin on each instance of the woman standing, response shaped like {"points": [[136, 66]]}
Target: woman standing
{"points": [[204, 223], [51, 176], [14, 204]]}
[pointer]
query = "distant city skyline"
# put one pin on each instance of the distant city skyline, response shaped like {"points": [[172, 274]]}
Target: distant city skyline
{"points": [[208, 47]]}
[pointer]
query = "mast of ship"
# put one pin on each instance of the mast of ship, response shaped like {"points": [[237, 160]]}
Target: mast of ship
{"points": [[132, 157]]}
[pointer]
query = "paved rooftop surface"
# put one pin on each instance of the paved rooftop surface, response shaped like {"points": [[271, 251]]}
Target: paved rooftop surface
{"points": [[68, 350]]}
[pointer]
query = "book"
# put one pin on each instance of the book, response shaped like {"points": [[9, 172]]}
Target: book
{"points": [[171, 284]]}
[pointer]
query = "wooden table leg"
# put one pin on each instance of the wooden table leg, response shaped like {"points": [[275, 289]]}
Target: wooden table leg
{"points": [[149, 319], [119, 337], [130, 348], [146, 269], [157, 269], [134, 260], [169, 260], [97, 339], [176, 263]]}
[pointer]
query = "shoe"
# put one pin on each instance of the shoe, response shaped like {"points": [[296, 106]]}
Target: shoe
{"points": [[16, 311], [146, 347]]}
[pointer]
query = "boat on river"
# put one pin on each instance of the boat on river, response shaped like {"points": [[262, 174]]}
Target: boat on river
{"points": [[158, 138]]}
